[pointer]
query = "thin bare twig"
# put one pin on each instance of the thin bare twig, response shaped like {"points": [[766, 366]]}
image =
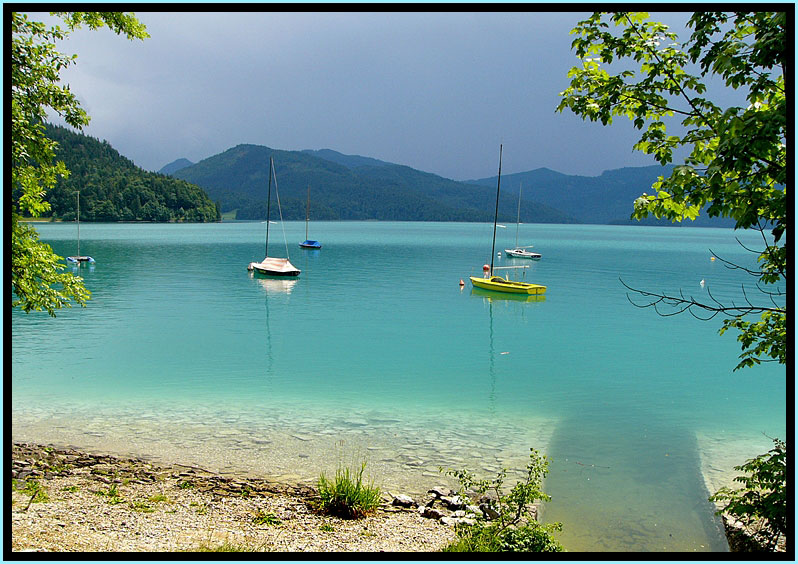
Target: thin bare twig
{"points": [[681, 303]]}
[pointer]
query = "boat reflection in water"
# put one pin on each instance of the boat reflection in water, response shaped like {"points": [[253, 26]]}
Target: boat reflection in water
{"points": [[274, 285], [501, 296]]}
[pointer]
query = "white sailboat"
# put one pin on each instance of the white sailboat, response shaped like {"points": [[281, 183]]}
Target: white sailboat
{"points": [[78, 259], [521, 252], [273, 266]]}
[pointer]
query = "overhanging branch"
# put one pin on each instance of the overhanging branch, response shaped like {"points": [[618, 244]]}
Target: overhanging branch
{"points": [[703, 311]]}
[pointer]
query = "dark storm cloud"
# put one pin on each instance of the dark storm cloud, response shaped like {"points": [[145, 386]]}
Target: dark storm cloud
{"points": [[434, 91]]}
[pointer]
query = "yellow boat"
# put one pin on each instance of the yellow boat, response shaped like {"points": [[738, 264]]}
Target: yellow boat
{"points": [[497, 283], [492, 296], [500, 284]]}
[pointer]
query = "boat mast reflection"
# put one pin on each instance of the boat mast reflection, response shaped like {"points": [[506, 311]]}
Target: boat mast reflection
{"points": [[495, 298], [272, 287]]}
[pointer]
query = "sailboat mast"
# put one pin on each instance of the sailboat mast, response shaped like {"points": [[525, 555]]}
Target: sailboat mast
{"points": [[518, 221], [307, 214], [77, 217], [496, 215], [269, 203]]}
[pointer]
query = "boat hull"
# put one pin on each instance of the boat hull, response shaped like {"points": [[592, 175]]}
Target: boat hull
{"points": [[516, 253], [79, 259], [274, 267], [499, 284], [310, 244]]}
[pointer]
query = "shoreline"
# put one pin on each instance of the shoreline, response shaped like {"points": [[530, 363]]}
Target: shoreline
{"points": [[103, 502], [100, 502], [405, 456]]}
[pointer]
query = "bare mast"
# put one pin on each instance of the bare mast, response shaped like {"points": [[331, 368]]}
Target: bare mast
{"points": [[269, 203], [496, 215]]}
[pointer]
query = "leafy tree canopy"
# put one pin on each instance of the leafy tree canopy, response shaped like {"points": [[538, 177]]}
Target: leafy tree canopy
{"points": [[737, 165], [36, 280]]}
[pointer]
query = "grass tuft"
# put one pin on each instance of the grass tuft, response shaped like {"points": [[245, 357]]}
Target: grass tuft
{"points": [[347, 496]]}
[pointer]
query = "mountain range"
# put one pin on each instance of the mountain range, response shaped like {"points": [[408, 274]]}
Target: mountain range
{"points": [[354, 187]]}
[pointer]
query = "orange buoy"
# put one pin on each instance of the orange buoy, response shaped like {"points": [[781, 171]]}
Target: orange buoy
{"points": [[711, 258], [461, 282], [485, 267]]}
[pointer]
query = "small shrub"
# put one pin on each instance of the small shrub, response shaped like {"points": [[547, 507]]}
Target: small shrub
{"points": [[515, 529], [761, 505], [347, 496], [327, 528], [185, 484], [492, 538], [71, 489]]}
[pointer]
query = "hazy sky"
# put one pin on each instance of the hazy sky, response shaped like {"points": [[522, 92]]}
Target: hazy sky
{"points": [[434, 91]]}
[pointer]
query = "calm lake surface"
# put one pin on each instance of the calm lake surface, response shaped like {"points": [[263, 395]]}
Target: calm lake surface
{"points": [[375, 353]]}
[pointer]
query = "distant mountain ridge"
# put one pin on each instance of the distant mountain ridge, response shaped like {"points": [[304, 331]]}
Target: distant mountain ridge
{"points": [[342, 187], [604, 199], [174, 166], [361, 188], [357, 187], [349, 161]]}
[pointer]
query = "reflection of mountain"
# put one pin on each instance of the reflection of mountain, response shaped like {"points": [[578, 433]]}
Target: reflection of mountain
{"points": [[274, 285], [490, 296]]}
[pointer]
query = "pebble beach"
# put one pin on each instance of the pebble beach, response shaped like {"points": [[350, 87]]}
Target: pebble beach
{"points": [[104, 503]]}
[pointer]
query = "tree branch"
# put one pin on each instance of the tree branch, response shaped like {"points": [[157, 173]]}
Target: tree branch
{"points": [[680, 304]]}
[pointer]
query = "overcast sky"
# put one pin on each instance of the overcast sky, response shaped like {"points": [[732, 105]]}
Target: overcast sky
{"points": [[434, 91]]}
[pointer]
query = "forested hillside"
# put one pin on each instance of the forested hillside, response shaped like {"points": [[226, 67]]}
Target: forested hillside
{"points": [[604, 199], [112, 188], [349, 187]]}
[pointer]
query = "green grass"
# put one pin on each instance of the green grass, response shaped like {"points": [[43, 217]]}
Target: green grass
{"points": [[32, 488], [112, 494], [482, 537], [347, 496], [201, 509], [160, 498], [228, 546], [141, 507], [261, 518]]}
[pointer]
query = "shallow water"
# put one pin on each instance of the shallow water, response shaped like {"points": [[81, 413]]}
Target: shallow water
{"points": [[376, 353]]}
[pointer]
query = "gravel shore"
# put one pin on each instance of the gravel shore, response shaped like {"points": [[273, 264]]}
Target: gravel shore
{"points": [[103, 503]]}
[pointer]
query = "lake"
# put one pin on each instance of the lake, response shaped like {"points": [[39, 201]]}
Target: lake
{"points": [[377, 354]]}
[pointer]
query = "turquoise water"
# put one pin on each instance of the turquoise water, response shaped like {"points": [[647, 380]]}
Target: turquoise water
{"points": [[376, 352]]}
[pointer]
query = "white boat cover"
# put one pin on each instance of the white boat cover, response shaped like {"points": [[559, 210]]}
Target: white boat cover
{"points": [[279, 266]]}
